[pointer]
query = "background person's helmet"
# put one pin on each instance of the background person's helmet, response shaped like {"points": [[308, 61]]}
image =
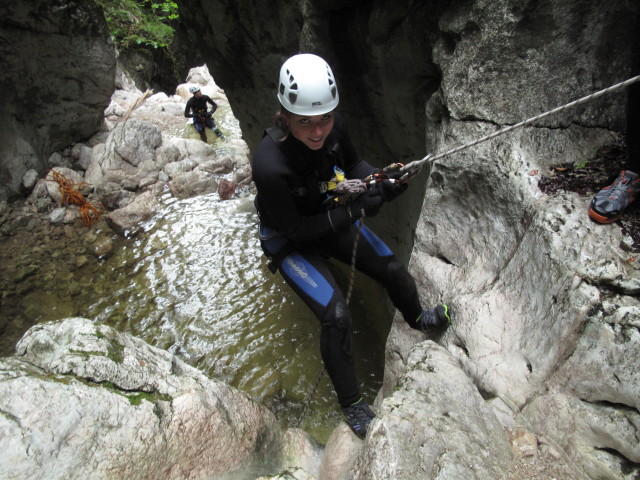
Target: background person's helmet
{"points": [[307, 86], [194, 89]]}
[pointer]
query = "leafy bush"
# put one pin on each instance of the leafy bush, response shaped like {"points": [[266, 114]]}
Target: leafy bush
{"points": [[140, 22]]}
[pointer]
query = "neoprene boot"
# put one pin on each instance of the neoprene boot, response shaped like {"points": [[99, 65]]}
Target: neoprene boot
{"points": [[436, 318], [358, 417]]}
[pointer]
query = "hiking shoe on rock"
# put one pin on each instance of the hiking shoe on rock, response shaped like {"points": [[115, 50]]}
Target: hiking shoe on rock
{"points": [[609, 203], [436, 318], [358, 417]]}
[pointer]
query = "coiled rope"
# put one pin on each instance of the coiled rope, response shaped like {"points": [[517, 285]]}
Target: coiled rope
{"points": [[431, 158]]}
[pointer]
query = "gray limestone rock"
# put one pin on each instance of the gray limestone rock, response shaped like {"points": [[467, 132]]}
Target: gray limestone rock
{"points": [[434, 425], [111, 406]]}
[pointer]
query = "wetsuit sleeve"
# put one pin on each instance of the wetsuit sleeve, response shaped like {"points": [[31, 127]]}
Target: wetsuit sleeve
{"points": [[270, 175], [187, 109], [214, 105]]}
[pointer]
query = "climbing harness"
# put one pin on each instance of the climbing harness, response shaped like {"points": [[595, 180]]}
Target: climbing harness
{"points": [[414, 166]]}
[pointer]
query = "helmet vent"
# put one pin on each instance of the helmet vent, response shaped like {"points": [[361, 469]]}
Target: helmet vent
{"points": [[293, 97]]}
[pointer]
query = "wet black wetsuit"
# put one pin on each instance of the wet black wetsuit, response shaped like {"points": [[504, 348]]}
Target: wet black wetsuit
{"points": [[299, 232], [198, 106]]}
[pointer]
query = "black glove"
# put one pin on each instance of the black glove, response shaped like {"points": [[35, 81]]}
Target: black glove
{"points": [[208, 115], [370, 201], [389, 191]]}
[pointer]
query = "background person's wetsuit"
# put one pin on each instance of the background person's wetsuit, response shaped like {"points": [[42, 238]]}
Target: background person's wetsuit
{"points": [[299, 232], [198, 106]]}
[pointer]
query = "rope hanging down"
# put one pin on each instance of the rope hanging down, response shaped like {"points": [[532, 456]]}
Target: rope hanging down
{"points": [[431, 158], [352, 273]]}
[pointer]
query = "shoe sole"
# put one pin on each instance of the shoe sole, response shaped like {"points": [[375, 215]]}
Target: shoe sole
{"points": [[600, 218]]}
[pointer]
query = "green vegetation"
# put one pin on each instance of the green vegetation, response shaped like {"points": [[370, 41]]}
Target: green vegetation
{"points": [[581, 164], [146, 23]]}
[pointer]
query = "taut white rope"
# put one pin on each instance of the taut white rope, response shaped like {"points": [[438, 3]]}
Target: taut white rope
{"points": [[599, 93]]}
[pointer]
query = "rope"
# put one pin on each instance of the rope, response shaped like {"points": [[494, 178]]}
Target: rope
{"points": [[347, 299], [353, 260], [418, 163]]}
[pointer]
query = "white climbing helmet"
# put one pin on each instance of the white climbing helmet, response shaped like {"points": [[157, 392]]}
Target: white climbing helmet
{"points": [[194, 88], [307, 86]]}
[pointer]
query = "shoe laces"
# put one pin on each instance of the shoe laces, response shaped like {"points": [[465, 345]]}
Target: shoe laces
{"points": [[624, 185]]}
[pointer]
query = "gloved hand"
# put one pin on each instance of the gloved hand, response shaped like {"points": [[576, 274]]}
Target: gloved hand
{"points": [[369, 201], [208, 114], [389, 191]]}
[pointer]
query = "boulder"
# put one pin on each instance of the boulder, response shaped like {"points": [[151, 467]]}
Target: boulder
{"points": [[118, 408], [128, 219], [436, 423]]}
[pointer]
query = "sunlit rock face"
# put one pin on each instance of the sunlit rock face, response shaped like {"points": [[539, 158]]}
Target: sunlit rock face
{"points": [[57, 69], [147, 413]]}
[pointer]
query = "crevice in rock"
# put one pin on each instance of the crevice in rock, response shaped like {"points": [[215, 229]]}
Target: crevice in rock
{"points": [[135, 397], [564, 126], [486, 395], [607, 404], [607, 289], [595, 309], [446, 260], [12, 418], [626, 466], [462, 347]]}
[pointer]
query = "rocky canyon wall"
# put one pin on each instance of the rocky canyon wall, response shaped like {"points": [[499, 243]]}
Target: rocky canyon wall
{"points": [[545, 300], [406, 67], [57, 71]]}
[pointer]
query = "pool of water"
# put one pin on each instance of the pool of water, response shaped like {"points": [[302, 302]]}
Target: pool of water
{"points": [[195, 282]]}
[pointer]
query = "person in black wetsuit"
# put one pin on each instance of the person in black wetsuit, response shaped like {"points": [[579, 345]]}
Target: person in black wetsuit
{"points": [[196, 108], [300, 228]]}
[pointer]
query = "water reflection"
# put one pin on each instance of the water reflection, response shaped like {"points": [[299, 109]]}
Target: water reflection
{"points": [[195, 283]]}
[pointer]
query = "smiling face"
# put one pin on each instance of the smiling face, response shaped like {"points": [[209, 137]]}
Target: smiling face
{"points": [[312, 131]]}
